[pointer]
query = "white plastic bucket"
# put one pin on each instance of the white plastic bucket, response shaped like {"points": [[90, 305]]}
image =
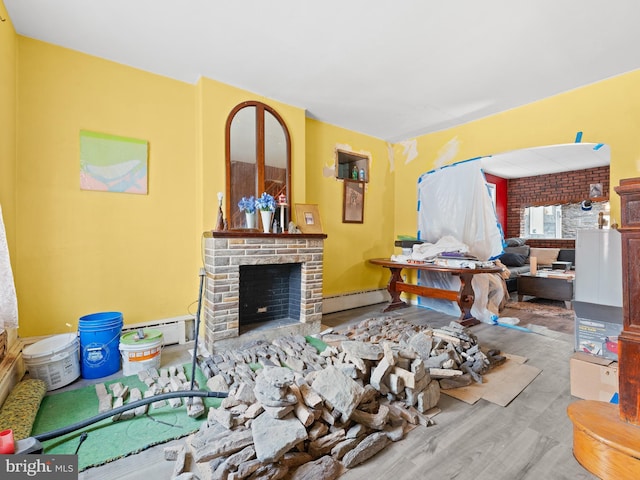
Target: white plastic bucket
{"points": [[55, 360], [140, 354]]}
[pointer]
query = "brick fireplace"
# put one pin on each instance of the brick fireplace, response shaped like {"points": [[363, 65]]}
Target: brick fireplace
{"points": [[285, 268]]}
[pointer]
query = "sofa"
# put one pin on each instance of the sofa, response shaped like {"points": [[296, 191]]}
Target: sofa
{"points": [[517, 254]]}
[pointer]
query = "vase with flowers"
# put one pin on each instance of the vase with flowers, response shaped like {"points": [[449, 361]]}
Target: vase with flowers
{"points": [[266, 204], [248, 206]]}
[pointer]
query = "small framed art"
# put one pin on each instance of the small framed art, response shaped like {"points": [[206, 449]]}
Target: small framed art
{"points": [[353, 202], [308, 218]]}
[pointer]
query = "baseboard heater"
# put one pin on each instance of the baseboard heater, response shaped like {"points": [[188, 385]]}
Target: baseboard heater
{"points": [[348, 301], [174, 330]]}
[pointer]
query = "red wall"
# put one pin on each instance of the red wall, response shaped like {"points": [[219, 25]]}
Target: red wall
{"points": [[501, 199]]}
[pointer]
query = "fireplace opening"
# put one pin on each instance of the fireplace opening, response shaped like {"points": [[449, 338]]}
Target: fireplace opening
{"points": [[269, 295]]}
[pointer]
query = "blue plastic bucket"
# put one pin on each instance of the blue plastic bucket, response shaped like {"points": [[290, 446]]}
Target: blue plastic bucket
{"points": [[99, 338]]}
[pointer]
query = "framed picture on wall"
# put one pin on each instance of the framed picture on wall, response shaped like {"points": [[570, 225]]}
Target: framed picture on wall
{"points": [[353, 202], [595, 190], [308, 218]]}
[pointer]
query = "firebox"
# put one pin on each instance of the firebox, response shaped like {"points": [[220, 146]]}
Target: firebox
{"points": [[269, 292]]}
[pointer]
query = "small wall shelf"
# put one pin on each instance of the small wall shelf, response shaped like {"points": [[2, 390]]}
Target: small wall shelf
{"points": [[349, 162]]}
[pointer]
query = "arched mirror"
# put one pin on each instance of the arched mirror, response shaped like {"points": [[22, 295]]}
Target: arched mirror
{"points": [[258, 157]]}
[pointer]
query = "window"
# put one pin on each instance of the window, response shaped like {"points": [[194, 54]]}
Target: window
{"points": [[562, 221]]}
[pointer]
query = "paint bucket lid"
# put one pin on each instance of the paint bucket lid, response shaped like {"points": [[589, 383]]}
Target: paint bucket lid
{"points": [[150, 336], [49, 346]]}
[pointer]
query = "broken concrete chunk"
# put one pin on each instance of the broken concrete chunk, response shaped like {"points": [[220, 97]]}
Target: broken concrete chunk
{"points": [[323, 445], [422, 344], [407, 377], [379, 374], [247, 453], [195, 407], [429, 397], [222, 416], [325, 468], [338, 389], [253, 410], [101, 390], [104, 403], [365, 351], [310, 397], [273, 437], [294, 459], [278, 412], [396, 433], [456, 382], [181, 460], [271, 388], [244, 393], [375, 421], [224, 445], [366, 449], [444, 372], [396, 383], [171, 453]]}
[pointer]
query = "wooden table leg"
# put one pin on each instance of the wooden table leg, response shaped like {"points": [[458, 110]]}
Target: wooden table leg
{"points": [[465, 301], [395, 302]]}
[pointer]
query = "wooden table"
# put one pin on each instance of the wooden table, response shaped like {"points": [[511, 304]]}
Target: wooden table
{"points": [[551, 286], [464, 297]]}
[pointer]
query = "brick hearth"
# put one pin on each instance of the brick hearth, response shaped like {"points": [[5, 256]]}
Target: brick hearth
{"points": [[226, 252]]}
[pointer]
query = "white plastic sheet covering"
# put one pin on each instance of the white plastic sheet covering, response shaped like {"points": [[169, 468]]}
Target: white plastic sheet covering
{"points": [[455, 201], [8, 300]]}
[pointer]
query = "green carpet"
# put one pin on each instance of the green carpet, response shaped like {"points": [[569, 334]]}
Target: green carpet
{"points": [[107, 440]]}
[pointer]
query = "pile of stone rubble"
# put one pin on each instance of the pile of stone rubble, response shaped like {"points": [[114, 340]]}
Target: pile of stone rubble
{"points": [[171, 379], [293, 412]]}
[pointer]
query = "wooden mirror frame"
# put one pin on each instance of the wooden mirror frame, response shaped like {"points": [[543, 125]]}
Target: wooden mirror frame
{"points": [[260, 140]]}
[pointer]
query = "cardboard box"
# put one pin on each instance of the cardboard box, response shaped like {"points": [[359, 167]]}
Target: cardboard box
{"points": [[593, 378], [597, 329]]}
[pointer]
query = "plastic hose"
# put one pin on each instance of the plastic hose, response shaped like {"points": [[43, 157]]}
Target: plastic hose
{"points": [[163, 396]]}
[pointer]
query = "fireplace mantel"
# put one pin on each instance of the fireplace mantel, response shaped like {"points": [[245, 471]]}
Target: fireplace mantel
{"points": [[226, 251], [248, 233]]}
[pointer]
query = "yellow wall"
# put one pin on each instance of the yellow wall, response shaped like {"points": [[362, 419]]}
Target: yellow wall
{"points": [[606, 112], [80, 252], [77, 252], [216, 102], [349, 245]]}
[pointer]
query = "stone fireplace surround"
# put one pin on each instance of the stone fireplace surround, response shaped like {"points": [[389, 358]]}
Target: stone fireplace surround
{"points": [[226, 251]]}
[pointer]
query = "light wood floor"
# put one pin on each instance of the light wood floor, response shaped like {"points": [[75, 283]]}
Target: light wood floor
{"points": [[531, 438]]}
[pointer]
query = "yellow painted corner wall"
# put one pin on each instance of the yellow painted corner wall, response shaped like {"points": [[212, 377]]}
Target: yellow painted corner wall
{"points": [[349, 245], [7, 127], [80, 252], [216, 100], [606, 112]]}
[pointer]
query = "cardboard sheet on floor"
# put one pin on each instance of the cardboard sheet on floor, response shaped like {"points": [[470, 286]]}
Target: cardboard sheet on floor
{"points": [[500, 385]]}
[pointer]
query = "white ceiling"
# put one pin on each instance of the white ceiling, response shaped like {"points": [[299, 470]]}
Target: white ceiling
{"points": [[391, 69], [547, 159]]}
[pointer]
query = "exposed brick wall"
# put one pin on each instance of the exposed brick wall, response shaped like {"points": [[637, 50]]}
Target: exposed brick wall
{"points": [[557, 188], [551, 243]]}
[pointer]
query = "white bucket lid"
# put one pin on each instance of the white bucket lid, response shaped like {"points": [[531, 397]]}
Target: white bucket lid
{"points": [[49, 346]]}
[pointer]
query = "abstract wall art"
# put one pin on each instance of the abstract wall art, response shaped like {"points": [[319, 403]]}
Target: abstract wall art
{"points": [[111, 163]]}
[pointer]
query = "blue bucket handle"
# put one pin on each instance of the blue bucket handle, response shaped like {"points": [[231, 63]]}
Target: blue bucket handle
{"points": [[117, 335]]}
